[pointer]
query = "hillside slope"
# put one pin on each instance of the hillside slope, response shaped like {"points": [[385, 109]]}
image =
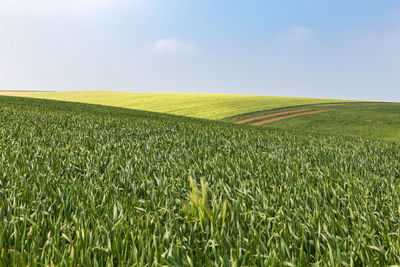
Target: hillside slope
{"points": [[371, 120], [93, 185], [207, 106]]}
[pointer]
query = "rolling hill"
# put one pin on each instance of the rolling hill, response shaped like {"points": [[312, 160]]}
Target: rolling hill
{"points": [[206, 106], [372, 120]]}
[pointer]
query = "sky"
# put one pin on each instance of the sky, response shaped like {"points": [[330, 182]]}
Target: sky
{"points": [[331, 49]]}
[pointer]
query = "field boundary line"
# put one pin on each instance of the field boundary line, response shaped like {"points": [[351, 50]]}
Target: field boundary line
{"points": [[271, 115], [287, 117]]}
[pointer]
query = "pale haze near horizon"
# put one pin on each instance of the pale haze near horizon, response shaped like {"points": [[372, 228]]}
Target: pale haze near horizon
{"points": [[341, 49]]}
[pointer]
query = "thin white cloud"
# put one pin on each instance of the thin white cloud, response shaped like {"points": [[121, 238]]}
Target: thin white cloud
{"points": [[172, 45], [298, 34]]}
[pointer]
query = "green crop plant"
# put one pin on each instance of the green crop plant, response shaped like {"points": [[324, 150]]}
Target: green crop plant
{"points": [[198, 207], [89, 185]]}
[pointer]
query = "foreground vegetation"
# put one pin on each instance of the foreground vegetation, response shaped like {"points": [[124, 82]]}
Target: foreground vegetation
{"points": [[372, 120], [91, 185], [206, 106]]}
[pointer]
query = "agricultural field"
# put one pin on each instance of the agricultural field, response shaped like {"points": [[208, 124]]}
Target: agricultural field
{"points": [[87, 185], [206, 106], [371, 120]]}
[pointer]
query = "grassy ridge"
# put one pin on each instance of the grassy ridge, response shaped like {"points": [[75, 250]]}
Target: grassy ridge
{"points": [[207, 106], [368, 120], [90, 185]]}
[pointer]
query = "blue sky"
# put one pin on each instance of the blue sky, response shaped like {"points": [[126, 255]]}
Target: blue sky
{"points": [[336, 49]]}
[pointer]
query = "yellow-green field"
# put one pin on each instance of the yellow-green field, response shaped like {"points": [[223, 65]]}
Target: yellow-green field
{"points": [[207, 106]]}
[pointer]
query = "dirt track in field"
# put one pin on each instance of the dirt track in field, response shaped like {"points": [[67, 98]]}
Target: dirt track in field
{"points": [[288, 116], [271, 115]]}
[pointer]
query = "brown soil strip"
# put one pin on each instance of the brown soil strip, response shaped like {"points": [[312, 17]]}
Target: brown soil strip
{"points": [[271, 115], [288, 116]]}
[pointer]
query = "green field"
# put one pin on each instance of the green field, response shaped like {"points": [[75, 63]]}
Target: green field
{"points": [[206, 106], [364, 119], [89, 185], [371, 120]]}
